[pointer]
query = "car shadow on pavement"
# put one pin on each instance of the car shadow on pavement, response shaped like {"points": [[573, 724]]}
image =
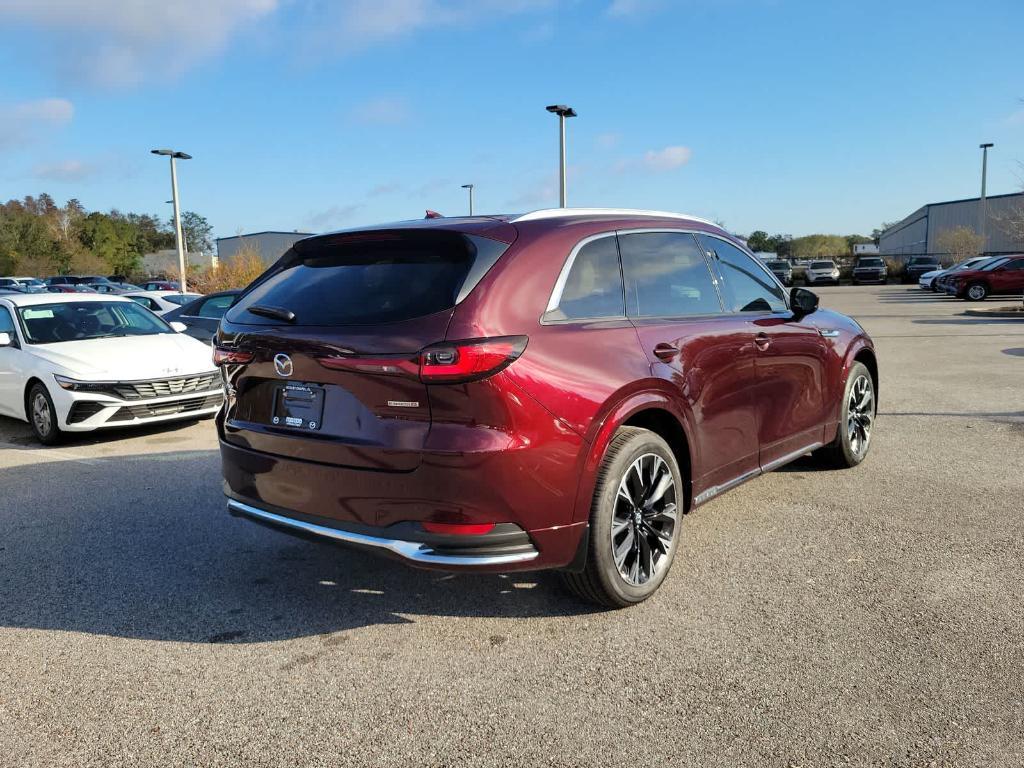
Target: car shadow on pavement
{"points": [[142, 547], [17, 434], [967, 320]]}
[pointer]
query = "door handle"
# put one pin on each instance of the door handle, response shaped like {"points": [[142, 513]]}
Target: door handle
{"points": [[665, 352], [762, 341]]}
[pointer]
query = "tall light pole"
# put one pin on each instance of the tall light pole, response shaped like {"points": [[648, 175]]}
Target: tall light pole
{"points": [[470, 188], [983, 203], [563, 112], [179, 240]]}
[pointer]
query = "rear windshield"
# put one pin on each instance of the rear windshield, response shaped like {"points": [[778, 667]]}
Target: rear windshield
{"points": [[869, 263], [923, 260], [370, 277], [822, 265], [778, 264]]}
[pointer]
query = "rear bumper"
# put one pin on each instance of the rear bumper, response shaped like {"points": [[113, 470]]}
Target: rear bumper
{"points": [[506, 546]]}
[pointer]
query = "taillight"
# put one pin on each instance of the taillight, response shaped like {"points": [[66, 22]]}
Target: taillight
{"points": [[227, 356], [453, 362], [462, 361]]}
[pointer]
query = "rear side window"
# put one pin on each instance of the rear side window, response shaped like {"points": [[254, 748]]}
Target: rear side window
{"points": [[1015, 264], [6, 323], [215, 307], [593, 288], [666, 276], [748, 287], [370, 277]]}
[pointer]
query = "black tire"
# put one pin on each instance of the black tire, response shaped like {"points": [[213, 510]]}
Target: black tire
{"points": [[601, 580], [976, 292], [844, 452], [44, 423]]}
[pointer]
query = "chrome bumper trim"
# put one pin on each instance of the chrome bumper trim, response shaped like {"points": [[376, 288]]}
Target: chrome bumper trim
{"points": [[412, 551]]}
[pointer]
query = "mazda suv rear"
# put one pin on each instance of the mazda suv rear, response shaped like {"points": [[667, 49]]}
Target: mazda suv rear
{"points": [[552, 390]]}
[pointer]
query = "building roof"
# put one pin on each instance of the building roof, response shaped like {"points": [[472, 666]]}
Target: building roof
{"points": [[265, 232]]}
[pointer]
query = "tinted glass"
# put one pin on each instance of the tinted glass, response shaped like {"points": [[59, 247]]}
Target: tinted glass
{"points": [[77, 321], [666, 276], [822, 265], [6, 322], [993, 264], [215, 307], [594, 285], [1015, 264], [778, 264], [747, 286], [869, 263], [180, 298], [368, 277]]}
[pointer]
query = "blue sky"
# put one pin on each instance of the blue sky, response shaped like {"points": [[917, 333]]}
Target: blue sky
{"points": [[784, 115]]}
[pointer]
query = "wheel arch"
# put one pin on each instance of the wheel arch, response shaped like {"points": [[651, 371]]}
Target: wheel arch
{"points": [[866, 355], [32, 381], [653, 410]]}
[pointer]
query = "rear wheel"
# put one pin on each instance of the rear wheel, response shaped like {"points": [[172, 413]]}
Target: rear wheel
{"points": [[976, 292], [853, 437], [43, 416], [634, 521]]}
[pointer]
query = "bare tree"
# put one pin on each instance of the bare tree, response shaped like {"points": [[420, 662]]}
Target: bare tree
{"points": [[960, 243]]}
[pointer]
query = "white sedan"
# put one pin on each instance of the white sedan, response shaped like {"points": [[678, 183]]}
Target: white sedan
{"points": [[161, 302], [79, 362]]}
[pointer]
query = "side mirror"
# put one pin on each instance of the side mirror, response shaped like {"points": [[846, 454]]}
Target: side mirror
{"points": [[6, 340], [178, 327], [802, 301]]}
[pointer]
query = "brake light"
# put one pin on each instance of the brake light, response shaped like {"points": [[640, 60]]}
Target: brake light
{"points": [[459, 529], [227, 356], [454, 362], [463, 361]]}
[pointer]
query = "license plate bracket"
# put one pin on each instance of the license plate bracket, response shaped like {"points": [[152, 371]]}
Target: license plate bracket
{"points": [[298, 406]]}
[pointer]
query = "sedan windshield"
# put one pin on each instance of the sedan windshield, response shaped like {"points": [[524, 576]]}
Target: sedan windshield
{"points": [[81, 320], [822, 265], [778, 265], [869, 263]]}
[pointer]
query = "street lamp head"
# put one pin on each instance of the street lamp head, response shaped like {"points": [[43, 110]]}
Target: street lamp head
{"points": [[985, 146], [172, 153], [467, 186], [562, 110]]}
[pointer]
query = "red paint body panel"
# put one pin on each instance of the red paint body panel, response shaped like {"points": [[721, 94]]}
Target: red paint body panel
{"points": [[524, 446]]}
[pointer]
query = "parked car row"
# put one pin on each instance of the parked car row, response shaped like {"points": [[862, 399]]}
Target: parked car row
{"points": [[977, 279]]}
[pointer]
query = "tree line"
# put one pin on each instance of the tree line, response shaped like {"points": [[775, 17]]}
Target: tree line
{"points": [[807, 247], [40, 238]]}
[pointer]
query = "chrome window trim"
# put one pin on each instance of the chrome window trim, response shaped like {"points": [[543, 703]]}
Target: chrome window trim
{"points": [[771, 275]]}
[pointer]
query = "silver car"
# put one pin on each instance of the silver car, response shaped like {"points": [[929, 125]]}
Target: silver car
{"points": [[822, 273]]}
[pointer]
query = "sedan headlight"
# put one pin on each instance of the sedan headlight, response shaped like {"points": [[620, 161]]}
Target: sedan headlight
{"points": [[73, 385]]}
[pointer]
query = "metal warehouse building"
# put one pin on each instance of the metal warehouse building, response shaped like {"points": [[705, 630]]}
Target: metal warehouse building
{"points": [[269, 245], [916, 234]]}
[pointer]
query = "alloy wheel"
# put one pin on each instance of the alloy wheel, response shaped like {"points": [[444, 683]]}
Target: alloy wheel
{"points": [[41, 414], [860, 414], [976, 292], [644, 520]]}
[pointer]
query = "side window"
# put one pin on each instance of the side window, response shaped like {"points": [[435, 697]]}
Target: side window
{"points": [[667, 275], [215, 307], [6, 322], [1015, 264], [747, 286], [593, 288]]}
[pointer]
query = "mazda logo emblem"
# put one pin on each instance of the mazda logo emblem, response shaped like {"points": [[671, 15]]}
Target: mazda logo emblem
{"points": [[283, 365]]}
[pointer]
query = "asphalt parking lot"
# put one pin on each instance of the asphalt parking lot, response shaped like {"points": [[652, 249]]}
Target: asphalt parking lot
{"points": [[812, 618]]}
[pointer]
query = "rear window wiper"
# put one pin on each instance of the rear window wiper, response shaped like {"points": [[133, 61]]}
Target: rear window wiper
{"points": [[275, 313]]}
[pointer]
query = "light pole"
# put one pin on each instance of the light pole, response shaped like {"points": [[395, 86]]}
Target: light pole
{"points": [[563, 112], [179, 240], [983, 203], [470, 188]]}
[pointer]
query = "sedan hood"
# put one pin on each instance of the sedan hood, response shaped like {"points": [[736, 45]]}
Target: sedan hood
{"points": [[128, 358]]}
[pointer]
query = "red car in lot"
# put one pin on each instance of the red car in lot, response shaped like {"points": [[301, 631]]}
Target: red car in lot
{"points": [[551, 390], [998, 277]]}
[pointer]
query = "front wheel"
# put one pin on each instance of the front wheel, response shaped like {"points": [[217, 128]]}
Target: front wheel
{"points": [[977, 292], [634, 521], [853, 436], [43, 416]]}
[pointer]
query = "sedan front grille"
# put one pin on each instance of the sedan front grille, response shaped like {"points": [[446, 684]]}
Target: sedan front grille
{"points": [[188, 405], [146, 390]]}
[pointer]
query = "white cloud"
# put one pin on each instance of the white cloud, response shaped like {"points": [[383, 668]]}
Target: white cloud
{"points": [[333, 216], [608, 140], [65, 170], [123, 42], [667, 159], [626, 8], [22, 122], [384, 110]]}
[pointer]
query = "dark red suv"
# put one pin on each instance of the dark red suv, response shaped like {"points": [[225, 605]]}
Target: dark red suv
{"points": [[553, 390]]}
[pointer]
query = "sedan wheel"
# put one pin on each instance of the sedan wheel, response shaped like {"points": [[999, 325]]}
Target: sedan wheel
{"points": [[977, 292], [634, 521], [43, 416]]}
